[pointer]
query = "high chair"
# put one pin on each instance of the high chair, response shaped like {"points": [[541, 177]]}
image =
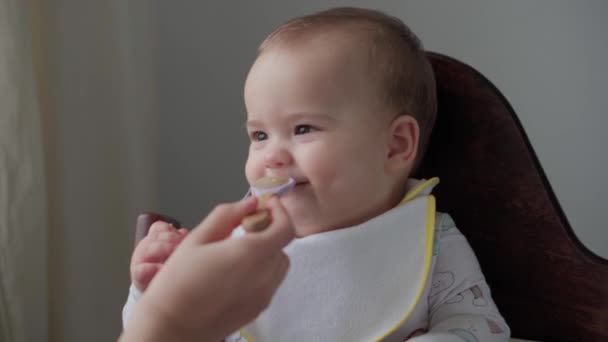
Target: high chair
{"points": [[547, 285]]}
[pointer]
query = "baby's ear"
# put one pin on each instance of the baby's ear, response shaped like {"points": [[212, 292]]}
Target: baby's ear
{"points": [[403, 144]]}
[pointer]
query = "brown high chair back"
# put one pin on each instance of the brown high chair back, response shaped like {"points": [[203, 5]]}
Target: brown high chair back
{"points": [[548, 286]]}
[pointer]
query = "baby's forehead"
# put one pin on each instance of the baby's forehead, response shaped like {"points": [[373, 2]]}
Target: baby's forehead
{"points": [[338, 57], [343, 38], [337, 50]]}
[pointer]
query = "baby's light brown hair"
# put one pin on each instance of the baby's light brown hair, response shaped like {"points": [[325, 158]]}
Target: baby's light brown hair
{"points": [[396, 56]]}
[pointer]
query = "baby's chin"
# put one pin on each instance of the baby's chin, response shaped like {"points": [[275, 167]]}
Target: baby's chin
{"points": [[308, 226], [306, 230], [305, 223]]}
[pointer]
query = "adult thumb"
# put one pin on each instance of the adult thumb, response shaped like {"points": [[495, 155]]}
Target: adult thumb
{"points": [[222, 220]]}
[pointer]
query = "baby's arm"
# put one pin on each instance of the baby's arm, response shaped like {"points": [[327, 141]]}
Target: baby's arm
{"points": [[461, 306], [148, 257]]}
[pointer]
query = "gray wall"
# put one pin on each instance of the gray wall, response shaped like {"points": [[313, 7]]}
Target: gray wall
{"points": [[546, 57]]}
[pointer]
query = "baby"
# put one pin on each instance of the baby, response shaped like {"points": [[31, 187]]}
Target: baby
{"points": [[343, 101]]}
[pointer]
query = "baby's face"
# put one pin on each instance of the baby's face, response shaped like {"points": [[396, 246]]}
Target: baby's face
{"points": [[312, 116]]}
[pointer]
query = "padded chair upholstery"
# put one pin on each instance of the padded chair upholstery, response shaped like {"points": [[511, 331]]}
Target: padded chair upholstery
{"points": [[548, 286]]}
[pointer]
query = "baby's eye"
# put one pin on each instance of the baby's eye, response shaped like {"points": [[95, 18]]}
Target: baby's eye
{"points": [[304, 129], [258, 136]]}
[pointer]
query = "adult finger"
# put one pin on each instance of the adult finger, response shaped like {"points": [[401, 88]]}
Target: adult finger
{"points": [[280, 232], [222, 220]]}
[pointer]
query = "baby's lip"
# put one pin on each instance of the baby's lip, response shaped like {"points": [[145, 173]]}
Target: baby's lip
{"points": [[298, 180]]}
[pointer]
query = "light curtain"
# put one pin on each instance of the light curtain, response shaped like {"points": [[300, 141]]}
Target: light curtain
{"points": [[23, 218]]}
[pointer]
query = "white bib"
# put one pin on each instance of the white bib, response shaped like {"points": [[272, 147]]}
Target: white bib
{"points": [[354, 284]]}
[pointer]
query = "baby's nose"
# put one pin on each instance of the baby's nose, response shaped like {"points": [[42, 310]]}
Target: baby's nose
{"points": [[277, 158]]}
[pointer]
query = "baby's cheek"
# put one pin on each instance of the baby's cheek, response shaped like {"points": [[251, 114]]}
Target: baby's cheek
{"points": [[252, 169], [321, 164]]}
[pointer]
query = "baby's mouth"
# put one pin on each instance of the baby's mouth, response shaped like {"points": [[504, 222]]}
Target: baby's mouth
{"points": [[301, 186]]}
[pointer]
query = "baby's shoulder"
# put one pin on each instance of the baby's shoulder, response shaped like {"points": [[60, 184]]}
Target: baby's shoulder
{"points": [[444, 223], [446, 232]]}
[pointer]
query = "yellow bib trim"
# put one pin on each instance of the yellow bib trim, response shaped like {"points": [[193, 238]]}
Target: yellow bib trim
{"points": [[418, 189], [428, 255]]}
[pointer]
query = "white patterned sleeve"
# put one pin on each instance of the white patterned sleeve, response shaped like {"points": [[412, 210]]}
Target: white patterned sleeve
{"points": [[134, 295], [460, 303]]}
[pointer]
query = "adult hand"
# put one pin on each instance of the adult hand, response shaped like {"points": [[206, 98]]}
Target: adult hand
{"points": [[211, 286]]}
